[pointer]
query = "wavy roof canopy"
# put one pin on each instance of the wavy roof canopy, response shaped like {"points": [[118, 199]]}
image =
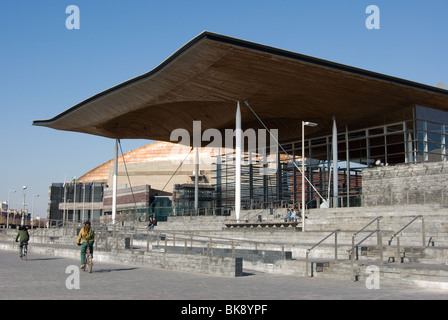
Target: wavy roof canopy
{"points": [[206, 77]]}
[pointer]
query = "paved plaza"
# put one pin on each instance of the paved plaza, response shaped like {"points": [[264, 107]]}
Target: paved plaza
{"points": [[48, 277]]}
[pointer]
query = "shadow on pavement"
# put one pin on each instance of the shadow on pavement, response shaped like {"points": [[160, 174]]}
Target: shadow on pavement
{"points": [[42, 259], [113, 270]]}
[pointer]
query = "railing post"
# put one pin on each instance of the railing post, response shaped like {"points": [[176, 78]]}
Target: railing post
{"points": [[97, 240], [307, 262], [208, 249], [352, 260], [336, 246], [166, 245], [380, 243], [132, 241], [423, 232], [353, 244], [116, 240], [106, 236], [443, 197]]}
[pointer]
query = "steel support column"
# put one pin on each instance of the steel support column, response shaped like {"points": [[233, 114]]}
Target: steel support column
{"points": [[238, 136], [335, 164]]}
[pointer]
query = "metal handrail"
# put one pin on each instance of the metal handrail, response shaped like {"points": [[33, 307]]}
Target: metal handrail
{"points": [[380, 243], [335, 232], [249, 218], [364, 239], [362, 229], [184, 236], [407, 225]]}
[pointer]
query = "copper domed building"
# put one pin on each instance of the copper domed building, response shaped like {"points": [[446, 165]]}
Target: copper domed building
{"points": [[152, 164], [148, 177]]}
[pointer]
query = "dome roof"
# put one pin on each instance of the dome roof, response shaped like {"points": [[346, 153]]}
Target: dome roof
{"points": [[157, 151]]}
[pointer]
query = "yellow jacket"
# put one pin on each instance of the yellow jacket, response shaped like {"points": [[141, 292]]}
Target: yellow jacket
{"points": [[86, 235]]}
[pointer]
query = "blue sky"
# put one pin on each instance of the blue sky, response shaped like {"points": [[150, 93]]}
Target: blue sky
{"points": [[46, 68]]}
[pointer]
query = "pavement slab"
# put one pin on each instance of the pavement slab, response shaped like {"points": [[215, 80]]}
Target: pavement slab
{"points": [[45, 277]]}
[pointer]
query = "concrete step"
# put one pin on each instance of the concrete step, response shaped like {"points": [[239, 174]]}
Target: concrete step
{"points": [[417, 254], [429, 276], [264, 256], [222, 266], [422, 275]]}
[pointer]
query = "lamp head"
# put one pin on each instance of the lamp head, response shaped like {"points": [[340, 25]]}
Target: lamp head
{"points": [[310, 124]]}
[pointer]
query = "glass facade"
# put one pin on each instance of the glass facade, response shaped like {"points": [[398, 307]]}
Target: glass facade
{"points": [[184, 200], [421, 135], [82, 195], [428, 137]]}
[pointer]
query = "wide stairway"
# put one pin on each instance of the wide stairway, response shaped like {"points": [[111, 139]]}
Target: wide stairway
{"points": [[407, 245]]}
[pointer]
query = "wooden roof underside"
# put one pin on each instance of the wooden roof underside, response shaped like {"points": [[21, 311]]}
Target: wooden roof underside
{"points": [[205, 79]]}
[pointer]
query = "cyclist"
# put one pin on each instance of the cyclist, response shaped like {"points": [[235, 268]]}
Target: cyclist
{"points": [[87, 237], [24, 237]]}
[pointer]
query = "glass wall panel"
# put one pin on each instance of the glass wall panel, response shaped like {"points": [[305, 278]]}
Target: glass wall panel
{"points": [[430, 139], [423, 136]]}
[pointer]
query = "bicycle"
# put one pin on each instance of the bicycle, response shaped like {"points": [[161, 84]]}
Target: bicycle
{"points": [[88, 261], [24, 251]]}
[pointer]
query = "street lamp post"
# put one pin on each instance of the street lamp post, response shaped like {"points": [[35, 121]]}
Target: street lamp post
{"points": [[66, 216], [23, 206], [32, 211], [309, 124], [9, 208]]}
